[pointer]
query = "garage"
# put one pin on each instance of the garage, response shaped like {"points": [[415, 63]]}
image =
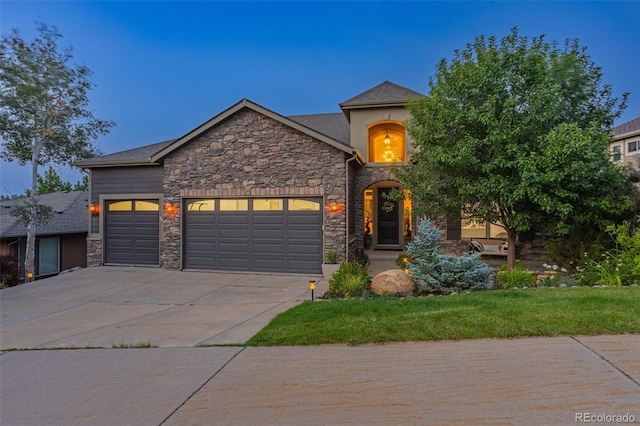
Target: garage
{"points": [[132, 232], [252, 234]]}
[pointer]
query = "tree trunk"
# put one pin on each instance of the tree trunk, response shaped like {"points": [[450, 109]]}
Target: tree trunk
{"points": [[511, 248], [30, 256]]}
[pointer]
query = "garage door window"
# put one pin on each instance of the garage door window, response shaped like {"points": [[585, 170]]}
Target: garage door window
{"points": [[269, 204], [303, 205], [121, 206], [146, 206], [235, 205], [201, 205]]}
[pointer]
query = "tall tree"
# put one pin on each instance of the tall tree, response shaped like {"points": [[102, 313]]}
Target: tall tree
{"points": [[52, 182], [43, 112], [516, 133]]}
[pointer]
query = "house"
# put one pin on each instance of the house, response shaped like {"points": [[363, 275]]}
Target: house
{"points": [[625, 145], [61, 243], [252, 190]]}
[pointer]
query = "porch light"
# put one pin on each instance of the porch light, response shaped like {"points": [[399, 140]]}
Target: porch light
{"points": [[334, 207], [94, 209], [312, 286], [170, 209]]}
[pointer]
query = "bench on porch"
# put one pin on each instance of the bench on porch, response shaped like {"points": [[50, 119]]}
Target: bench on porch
{"points": [[488, 247]]}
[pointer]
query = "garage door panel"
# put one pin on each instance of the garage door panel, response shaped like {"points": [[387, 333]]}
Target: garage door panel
{"points": [[234, 233], [268, 234], [233, 247], [273, 219], [227, 218], [234, 263], [304, 218], [269, 249]]}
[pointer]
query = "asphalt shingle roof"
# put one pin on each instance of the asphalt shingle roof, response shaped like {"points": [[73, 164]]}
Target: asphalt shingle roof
{"points": [[333, 125], [628, 127], [70, 215], [142, 154], [385, 92]]}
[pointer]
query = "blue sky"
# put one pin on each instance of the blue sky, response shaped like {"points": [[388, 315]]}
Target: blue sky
{"points": [[163, 68]]}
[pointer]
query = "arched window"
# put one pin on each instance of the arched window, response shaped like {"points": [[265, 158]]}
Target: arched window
{"points": [[386, 142]]}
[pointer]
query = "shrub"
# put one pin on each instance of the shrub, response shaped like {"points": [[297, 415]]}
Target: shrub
{"points": [[331, 256], [9, 271], [617, 267], [350, 280], [435, 272], [516, 277]]}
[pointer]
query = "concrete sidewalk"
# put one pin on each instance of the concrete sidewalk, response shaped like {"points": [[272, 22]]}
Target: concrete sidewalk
{"points": [[520, 381]]}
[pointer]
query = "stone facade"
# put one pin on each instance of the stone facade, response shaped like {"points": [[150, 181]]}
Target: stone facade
{"points": [[94, 251], [250, 154]]}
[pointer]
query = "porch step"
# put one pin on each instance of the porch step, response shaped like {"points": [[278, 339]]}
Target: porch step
{"points": [[383, 254]]}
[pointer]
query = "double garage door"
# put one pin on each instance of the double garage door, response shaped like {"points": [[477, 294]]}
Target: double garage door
{"points": [[266, 235]]}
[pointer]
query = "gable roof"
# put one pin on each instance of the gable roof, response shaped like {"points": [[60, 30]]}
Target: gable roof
{"points": [[245, 103], [626, 130], [69, 215], [384, 94]]}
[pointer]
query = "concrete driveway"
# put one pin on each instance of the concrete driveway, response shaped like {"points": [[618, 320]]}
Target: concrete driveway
{"points": [[103, 306]]}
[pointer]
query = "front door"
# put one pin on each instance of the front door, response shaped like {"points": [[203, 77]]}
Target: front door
{"points": [[388, 218]]}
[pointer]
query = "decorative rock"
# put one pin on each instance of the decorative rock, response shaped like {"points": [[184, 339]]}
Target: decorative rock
{"points": [[392, 282]]}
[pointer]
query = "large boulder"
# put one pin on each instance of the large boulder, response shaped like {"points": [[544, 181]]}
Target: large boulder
{"points": [[392, 282]]}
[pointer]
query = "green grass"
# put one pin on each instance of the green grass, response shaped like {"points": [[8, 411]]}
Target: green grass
{"points": [[486, 314]]}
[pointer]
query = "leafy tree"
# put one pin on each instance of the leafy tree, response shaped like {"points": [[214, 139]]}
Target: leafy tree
{"points": [[52, 182], [515, 133], [43, 111]]}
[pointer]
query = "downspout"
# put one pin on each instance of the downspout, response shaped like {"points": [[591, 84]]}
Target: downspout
{"points": [[360, 159]]}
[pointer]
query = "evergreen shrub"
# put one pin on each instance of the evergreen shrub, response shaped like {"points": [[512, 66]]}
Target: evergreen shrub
{"points": [[437, 273]]}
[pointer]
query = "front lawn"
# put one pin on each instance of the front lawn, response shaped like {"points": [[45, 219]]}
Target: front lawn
{"points": [[484, 314]]}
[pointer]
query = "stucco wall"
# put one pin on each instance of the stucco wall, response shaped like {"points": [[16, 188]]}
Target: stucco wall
{"points": [[361, 119], [253, 155]]}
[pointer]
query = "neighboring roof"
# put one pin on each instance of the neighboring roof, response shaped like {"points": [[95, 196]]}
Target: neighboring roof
{"points": [[628, 129], [130, 157], [70, 215], [385, 93], [334, 125]]}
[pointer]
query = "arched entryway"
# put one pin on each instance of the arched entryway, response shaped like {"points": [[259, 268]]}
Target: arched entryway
{"points": [[387, 222]]}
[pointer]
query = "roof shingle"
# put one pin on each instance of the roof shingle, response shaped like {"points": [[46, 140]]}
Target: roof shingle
{"points": [[70, 215]]}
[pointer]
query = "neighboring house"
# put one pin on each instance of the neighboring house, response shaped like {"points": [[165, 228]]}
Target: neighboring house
{"points": [[252, 190], [61, 243], [625, 146]]}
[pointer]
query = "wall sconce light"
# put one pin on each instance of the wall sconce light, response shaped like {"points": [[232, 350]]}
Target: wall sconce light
{"points": [[94, 209], [312, 286], [334, 207], [170, 209]]}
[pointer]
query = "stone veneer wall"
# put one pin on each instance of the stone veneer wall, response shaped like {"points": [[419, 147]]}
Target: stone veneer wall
{"points": [[253, 155], [94, 251]]}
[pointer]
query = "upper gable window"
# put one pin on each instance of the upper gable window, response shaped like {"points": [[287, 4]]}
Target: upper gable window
{"points": [[386, 142]]}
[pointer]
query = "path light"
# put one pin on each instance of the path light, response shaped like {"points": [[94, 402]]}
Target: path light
{"points": [[312, 286], [29, 276]]}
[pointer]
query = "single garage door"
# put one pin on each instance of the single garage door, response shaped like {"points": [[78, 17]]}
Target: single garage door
{"points": [[132, 231], [262, 235]]}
